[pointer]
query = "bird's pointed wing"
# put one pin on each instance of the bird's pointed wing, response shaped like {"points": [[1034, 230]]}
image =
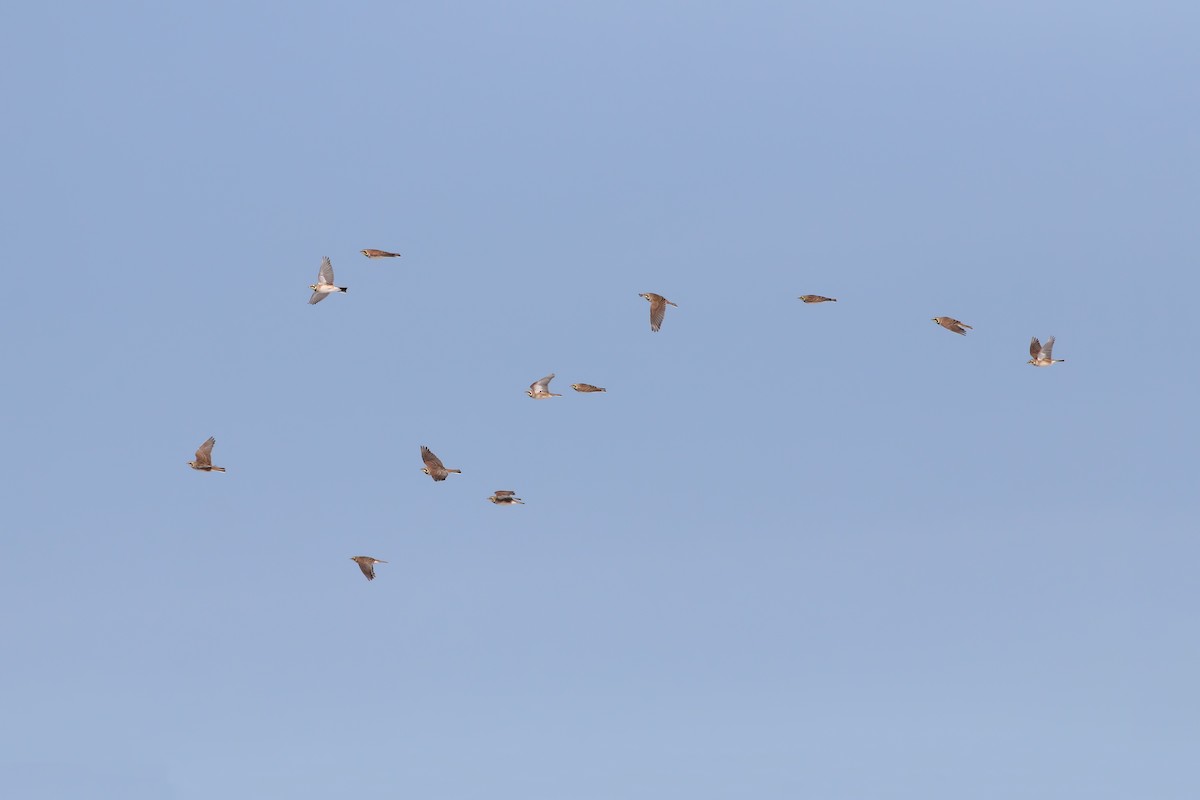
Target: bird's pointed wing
{"points": [[367, 568], [1035, 348], [658, 310], [204, 454], [326, 273], [431, 461], [317, 297], [1048, 349], [503, 493], [542, 385]]}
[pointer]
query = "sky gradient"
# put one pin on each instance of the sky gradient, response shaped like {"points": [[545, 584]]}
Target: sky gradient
{"points": [[827, 551]]}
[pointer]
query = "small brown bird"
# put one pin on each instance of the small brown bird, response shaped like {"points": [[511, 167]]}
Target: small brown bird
{"points": [[1043, 354], [367, 565], [540, 390], [951, 324], [369, 253], [658, 308], [587, 387], [433, 465], [503, 497], [203, 460], [816, 298], [324, 285]]}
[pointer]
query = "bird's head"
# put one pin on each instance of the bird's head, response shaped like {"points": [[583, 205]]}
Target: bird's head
{"points": [[425, 470], [366, 253], [191, 463], [313, 286]]}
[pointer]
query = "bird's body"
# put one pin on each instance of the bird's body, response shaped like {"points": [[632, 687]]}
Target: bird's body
{"points": [[504, 497], [658, 308], [324, 284], [951, 324], [203, 460], [587, 387], [1043, 354], [371, 253], [540, 390], [367, 565], [434, 467], [816, 298]]}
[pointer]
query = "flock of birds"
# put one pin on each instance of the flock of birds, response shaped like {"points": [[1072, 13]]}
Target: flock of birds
{"points": [[1041, 355]]}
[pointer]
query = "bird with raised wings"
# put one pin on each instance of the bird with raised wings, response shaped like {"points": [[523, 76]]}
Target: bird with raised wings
{"points": [[504, 497], [434, 467], [371, 253], [540, 390], [203, 460], [816, 298], [1042, 354], [951, 324], [324, 284], [587, 387], [367, 565], [658, 308]]}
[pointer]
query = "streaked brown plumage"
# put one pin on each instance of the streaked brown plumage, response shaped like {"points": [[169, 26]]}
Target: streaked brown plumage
{"points": [[370, 253], [816, 298], [951, 324], [203, 460], [505, 497], [433, 465], [1043, 355], [658, 308], [587, 387], [367, 565]]}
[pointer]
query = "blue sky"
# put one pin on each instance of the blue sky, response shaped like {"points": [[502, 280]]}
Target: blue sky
{"points": [[794, 551]]}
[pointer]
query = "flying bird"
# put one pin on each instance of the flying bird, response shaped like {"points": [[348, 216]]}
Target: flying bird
{"points": [[816, 298], [658, 308], [540, 390], [951, 324], [503, 497], [367, 565], [324, 284], [203, 460], [1043, 353], [370, 253], [587, 387], [434, 467]]}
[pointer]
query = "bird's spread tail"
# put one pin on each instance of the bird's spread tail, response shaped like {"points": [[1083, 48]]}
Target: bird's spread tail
{"points": [[459, 471], [604, 390], [343, 289], [218, 469]]}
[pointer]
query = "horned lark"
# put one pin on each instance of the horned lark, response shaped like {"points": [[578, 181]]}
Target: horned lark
{"points": [[203, 460], [434, 467], [503, 497], [1042, 354], [369, 253], [951, 324], [658, 308], [367, 565], [816, 298], [587, 387], [324, 284], [540, 390]]}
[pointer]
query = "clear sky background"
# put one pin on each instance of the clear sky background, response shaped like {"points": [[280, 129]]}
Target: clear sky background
{"points": [[823, 551]]}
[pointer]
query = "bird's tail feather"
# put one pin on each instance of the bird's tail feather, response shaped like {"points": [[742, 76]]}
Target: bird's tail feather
{"points": [[343, 289], [218, 469], [459, 471]]}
